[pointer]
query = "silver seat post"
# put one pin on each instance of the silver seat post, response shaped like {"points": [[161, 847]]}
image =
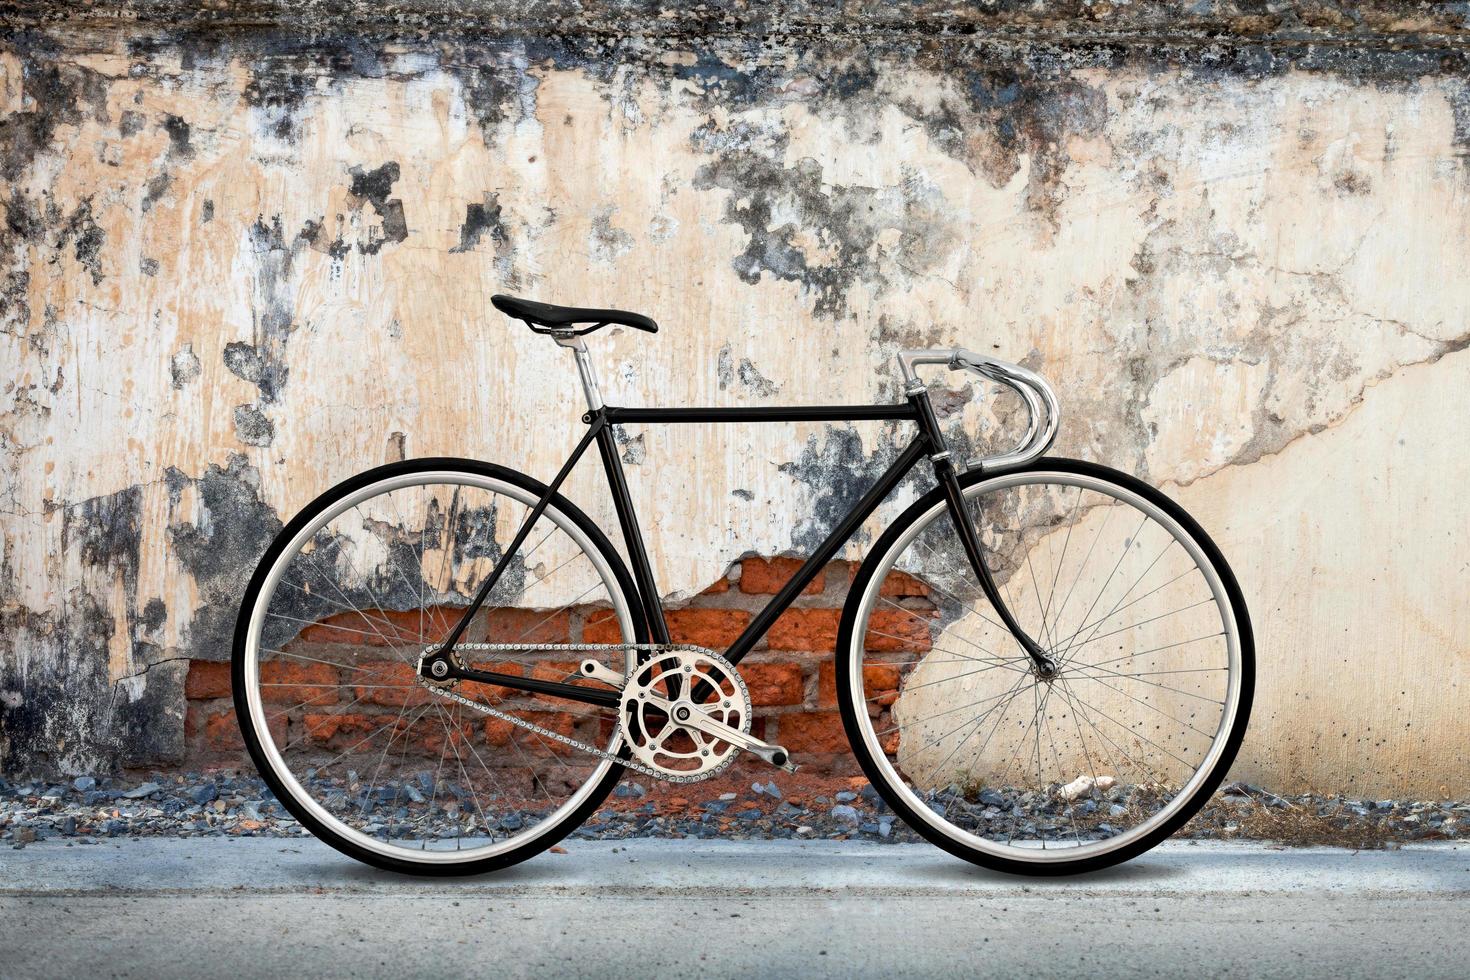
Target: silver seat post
{"points": [[584, 369]]}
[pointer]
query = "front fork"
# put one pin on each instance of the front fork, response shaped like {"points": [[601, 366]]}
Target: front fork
{"points": [[948, 477]]}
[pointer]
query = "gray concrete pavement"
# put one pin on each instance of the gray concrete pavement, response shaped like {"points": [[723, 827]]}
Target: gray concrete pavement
{"points": [[267, 907]]}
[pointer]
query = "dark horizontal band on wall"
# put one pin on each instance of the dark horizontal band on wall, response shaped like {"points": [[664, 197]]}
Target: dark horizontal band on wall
{"points": [[1063, 24]]}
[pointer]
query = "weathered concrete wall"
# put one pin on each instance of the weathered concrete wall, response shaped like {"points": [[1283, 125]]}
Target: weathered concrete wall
{"points": [[240, 265]]}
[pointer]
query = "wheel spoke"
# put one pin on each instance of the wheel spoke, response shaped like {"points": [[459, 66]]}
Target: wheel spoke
{"points": [[358, 737], [1101, 753]]}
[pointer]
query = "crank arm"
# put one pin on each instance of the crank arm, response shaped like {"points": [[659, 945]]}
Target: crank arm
{"points": [[776, 755], [691, 716]]}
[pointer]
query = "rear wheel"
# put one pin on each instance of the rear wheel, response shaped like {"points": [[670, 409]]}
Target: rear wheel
{"points": [[984, 755], [352, 591]]}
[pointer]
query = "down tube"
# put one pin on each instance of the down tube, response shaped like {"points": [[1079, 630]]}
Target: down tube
{"points": [[854, 519]]}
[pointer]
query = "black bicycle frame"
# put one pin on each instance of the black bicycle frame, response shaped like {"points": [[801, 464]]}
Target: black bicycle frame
{"points": [[927, 442]]}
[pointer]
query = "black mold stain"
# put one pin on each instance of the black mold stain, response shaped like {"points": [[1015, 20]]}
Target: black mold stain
{"points": [[130, 123], [67, 715], [56, 95], [846, 223], [634, 449], [278, 96], [1003, 116], [65, 669], [88, 237], [315, 232], [374, 186], [206, 212], [497, 85], [149, 267], [220, 550], [178, 136], [155, 614], [274, 305], [1460, 112], [838, 472], [607, 241], [154, 190], [479, 219], [244, 361], [184, 366], [746, 373], [105, 530], [252, 427]]}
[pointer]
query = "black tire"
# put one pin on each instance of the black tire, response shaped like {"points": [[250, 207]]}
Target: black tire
{"points": [[846, 657], [325, 833]]}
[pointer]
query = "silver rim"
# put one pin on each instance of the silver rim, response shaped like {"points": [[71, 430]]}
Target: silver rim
{"points": [[921, 799], [258, 708]]}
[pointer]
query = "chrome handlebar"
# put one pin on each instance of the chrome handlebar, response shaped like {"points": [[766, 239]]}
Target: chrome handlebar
{"points": [[1040, 400]]}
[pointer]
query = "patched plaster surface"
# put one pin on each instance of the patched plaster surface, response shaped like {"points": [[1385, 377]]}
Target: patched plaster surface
{"points": [[238, 269]]}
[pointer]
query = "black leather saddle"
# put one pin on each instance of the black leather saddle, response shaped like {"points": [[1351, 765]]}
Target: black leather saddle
{"points": [[545, 318]]}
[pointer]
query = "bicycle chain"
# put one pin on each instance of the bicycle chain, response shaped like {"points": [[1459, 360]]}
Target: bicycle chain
{"points": [[612, 757]]}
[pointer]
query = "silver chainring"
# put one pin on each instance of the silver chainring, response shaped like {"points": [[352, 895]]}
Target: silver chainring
{"points": [[713, 664], [656, 739]]}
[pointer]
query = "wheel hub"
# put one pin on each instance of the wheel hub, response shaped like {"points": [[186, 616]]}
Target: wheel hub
{"points": [[434, 668]]}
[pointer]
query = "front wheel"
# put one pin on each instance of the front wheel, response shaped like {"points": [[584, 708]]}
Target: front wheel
{"points": [[1002, 764], [369, 576]]}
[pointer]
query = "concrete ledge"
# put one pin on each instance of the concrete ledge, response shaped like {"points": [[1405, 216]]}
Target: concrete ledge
{"points": [[204, 866]]}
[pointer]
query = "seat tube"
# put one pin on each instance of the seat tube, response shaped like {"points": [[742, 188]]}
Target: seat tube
{"points": [[617, 481]]}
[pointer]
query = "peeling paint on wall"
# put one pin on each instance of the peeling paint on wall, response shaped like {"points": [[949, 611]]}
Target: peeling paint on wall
{"points": [[234, 265]]}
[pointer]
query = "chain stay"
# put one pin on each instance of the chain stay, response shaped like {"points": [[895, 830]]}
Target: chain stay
{"points": [[603, 754]]}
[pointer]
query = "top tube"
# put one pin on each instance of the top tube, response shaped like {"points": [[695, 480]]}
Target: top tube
{"points": [[794, 413]]}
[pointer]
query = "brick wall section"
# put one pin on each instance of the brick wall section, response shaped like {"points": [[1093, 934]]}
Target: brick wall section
{"points": [[791, 674]]}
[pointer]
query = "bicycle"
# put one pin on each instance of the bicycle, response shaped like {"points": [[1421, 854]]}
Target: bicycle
{"points": [[429, 700]]}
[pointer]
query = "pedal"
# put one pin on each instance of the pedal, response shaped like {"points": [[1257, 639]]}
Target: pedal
{"points": [[776, 755]]}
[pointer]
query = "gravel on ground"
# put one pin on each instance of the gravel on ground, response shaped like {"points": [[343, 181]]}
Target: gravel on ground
{"points": [[84, 809]]}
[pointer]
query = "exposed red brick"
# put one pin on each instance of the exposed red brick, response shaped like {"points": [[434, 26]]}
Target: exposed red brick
{"points": [[323, 727], [774, 683], [813, 731], [805, 629], [880, 681], [207, 679], [602, 627], [391, 683], [898, 631], [380, 627], [561, 671], [499, 732], [494, 693], [767, 576], [527, 626], [309, 683], [700, 626], [721, 584], [428, 735], [222, 731], [902, 584]]}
